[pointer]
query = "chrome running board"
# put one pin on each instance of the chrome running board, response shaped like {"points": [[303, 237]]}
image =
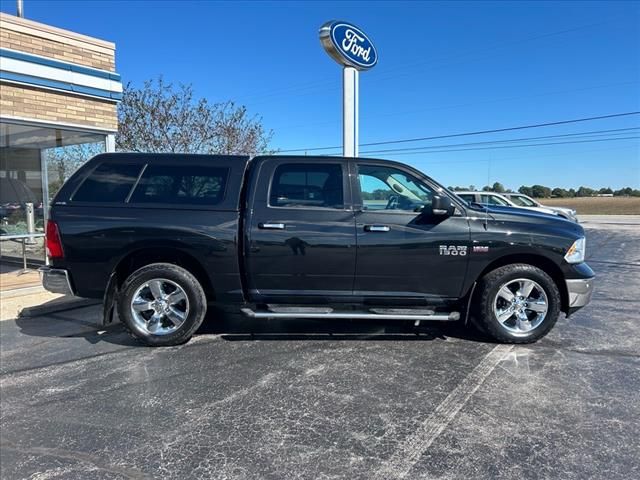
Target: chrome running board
{"points": [[322, 313]]}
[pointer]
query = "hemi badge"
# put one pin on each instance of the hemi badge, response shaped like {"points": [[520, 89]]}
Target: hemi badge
{"points": [[480, 249]]}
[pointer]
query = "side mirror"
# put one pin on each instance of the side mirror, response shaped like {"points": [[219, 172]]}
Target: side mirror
{"points": [[441, 205]]}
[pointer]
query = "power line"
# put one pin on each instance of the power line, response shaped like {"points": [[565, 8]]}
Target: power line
{"points": [[591, 133], [503, 99], [516, 146], [396, 113], [510, 158], [478, 132]]}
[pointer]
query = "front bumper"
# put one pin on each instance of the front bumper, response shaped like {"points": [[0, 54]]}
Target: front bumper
{"points": [[56, 280], [580, 291]]}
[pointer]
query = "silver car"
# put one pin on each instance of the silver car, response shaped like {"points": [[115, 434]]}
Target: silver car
{"points": [[492, 198], [526, 201]]}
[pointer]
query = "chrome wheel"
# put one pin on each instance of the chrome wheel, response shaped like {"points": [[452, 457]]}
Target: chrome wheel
{"points": [[159, 307], [520, 306]]}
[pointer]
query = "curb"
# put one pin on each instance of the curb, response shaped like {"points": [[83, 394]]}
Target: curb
{"points": [[22, 291], [62, 305]]}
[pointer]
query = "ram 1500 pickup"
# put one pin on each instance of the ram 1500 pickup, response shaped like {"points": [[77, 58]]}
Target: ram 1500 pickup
{"points": [[162, 237]]}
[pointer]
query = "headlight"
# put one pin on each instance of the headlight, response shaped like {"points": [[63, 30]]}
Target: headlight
{"points": [[575, 254]]}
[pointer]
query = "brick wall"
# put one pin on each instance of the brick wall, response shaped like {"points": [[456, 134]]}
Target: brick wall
{"points": [[39, 104], [33, 103], [58, 50]]}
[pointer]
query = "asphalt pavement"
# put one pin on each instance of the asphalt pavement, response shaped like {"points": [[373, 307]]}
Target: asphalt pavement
{"points": [[249, 399]]}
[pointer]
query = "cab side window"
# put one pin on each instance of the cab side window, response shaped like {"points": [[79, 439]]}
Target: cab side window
{"points": [[389, 189], [307, 185]]}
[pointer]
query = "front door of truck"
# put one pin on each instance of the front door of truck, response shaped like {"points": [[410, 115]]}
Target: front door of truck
{"points": [[301, 233], [404, 256]]}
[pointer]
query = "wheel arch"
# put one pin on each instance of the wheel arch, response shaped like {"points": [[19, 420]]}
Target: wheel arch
{"points": [[140, 257], [539, 261]]}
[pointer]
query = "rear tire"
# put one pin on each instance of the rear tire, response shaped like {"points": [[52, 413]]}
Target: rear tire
{"points": [[517, 303], [162, 304]]}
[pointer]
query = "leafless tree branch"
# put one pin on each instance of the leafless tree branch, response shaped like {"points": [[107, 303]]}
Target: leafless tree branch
{"points": [[160, 117]]}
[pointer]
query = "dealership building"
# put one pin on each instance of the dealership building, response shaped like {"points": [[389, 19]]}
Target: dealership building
{"points": [[59, 92]]}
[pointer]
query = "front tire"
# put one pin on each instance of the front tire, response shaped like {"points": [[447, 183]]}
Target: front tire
{"points": [[162, 304], [518, 303]]}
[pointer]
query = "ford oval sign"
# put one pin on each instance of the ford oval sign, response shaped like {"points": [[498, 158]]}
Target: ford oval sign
{"points": [[348, 45]]}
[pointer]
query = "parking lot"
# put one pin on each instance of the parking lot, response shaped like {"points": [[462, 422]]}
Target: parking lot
{"points": [[249, 399]]}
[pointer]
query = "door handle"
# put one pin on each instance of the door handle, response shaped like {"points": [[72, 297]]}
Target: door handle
{"points": [[376, 228], [271, 226]]}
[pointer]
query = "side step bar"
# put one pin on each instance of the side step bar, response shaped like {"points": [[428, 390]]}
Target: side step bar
{"points": [[356, 315]]}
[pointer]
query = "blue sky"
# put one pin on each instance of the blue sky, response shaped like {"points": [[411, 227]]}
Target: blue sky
{"points": [[443, 68]]}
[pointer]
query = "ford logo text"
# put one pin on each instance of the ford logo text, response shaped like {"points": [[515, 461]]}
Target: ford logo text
{"points": [[348, 45]]}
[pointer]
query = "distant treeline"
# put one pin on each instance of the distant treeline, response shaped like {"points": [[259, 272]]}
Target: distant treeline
{"points": [[540, 191]]}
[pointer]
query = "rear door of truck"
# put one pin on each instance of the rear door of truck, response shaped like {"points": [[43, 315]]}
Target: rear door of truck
{"points": [[300, 230]]}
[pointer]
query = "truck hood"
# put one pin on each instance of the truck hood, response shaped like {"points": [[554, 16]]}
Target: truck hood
{"points": [[568, 211], [528, 219], [548, 210]]}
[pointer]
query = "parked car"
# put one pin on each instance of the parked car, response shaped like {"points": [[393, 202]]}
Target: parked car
{"points": [[526, 201], [496, 199], [161, 237]]}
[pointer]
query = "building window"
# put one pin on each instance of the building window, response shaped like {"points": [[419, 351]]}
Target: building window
{"points": [[34, 160]]}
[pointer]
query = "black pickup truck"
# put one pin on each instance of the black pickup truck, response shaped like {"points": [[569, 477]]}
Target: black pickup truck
{"points": [[162, 237]]}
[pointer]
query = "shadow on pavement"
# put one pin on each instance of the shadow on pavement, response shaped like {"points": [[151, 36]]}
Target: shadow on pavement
{"points": [[235, 327], [84, 323], [62, 325]]}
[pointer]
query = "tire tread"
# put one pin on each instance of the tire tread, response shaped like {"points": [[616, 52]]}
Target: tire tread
{"points": [[483, 316], [189, 281]]}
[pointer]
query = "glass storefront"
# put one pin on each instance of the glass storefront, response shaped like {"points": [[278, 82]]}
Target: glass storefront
{"points": [[34, 162]]}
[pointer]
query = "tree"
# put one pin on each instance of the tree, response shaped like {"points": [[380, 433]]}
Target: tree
{"points": [[585, 192], [606, 190], [160, 117], [525, 190], [62, 162], [498, 187], [540, 191], [559, 192], [627, 192], [486, 188]]}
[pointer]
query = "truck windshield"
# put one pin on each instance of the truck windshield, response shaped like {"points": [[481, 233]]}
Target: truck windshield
{"points": [[493, 200], [523, 201]]}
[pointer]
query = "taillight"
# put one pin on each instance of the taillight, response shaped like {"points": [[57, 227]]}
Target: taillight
{"points": [[54, 244]]}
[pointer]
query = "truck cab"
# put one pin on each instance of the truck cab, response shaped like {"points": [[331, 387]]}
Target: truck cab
{"points": [[161, 237]]}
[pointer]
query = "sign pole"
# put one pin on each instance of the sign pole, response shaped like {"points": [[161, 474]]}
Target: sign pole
{"points": [[351, 48], [350, 94]]}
